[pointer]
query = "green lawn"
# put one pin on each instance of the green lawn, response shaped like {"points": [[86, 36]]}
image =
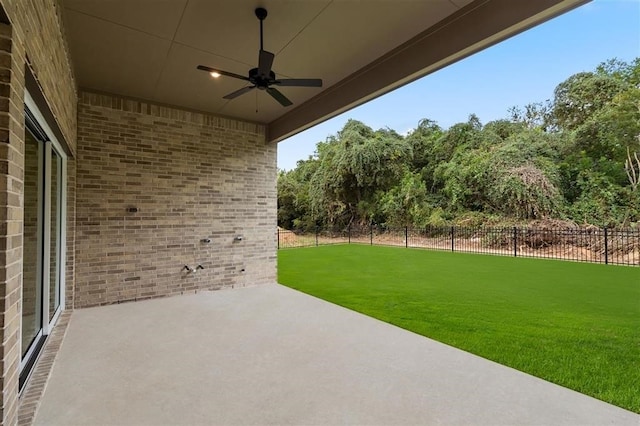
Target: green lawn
{"points": [[574, 324]]}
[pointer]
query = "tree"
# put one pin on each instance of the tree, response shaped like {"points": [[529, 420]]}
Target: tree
{"points": [[354, 166], [422, 141], [515, 178], [632, 168], [628, 72], [611, 131], [581, 96], [574, 157], [295, 209], [534, 115], [526, 192], [406, 204]]}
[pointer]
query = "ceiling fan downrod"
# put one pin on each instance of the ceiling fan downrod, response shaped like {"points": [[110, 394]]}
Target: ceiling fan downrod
{"points": [[261, 14]]}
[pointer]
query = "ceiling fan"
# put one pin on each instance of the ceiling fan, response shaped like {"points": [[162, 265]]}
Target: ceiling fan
{"points": [[263, 77]]}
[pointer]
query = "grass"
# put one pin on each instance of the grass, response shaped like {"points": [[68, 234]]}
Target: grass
{"points": [[574, 324]]}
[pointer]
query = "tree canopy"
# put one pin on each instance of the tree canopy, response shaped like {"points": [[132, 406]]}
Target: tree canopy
{"points": [[573, 158]]}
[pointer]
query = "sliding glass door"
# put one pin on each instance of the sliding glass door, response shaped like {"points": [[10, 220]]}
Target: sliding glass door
{"points": [[43, 236]]}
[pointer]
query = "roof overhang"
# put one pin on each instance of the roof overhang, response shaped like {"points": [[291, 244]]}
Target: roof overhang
{"points": [[149, 49]]}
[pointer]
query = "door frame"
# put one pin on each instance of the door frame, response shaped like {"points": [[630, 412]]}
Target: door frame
{"points": [[46, 144]]}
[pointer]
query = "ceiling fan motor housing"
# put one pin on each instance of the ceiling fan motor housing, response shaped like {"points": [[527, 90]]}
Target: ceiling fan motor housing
{"points": [[259, 80]]}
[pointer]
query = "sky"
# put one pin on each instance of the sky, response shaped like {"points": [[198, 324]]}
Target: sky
{"points": [[521, 70]]}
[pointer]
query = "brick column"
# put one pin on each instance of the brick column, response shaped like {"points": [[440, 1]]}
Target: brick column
{"points": [[12, 62], [70, 265]]}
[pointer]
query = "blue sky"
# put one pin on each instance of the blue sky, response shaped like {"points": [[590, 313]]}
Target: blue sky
{"points": [[521, 70]]}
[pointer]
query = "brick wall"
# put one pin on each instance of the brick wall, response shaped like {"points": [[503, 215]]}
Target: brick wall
{"points": [[11, 189], [38, 28], [32, 39], [71, 234], [191, 176]]}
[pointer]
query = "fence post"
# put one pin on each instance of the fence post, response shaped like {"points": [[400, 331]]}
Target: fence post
{"points": [[278, 231], [406, 237], [606, 246], [515, 242], [317, 235], [371, 233], [349, 233], [452, 232]]}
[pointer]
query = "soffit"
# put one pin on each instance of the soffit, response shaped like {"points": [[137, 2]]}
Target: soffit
{"points": [[149, 49]]}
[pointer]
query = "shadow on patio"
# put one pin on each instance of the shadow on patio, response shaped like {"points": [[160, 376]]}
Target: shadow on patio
{"points": [[271, 355]]}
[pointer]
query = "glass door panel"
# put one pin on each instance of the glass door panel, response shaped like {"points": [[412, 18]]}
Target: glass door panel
{"points": [[31, 276]]}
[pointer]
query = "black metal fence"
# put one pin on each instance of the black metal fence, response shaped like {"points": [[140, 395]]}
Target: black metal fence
{"points": [[596, 245]]}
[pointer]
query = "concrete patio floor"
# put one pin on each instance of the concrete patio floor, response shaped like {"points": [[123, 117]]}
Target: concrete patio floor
{"points": [[271, 355]]}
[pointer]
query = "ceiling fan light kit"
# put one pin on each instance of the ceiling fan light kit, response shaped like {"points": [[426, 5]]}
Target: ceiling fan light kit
{"points": [[263, 77]]}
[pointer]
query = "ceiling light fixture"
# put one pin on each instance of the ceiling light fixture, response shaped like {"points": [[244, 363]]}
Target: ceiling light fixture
{"points": [[215, 74]]}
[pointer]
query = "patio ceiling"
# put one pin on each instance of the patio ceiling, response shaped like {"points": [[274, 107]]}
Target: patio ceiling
{"points": [[149, 49]]}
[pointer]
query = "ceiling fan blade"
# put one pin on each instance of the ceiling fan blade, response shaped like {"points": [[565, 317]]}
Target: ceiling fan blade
{"points": [[226, 73], [275, 93], [300, 82], [239, 92], [265, 61]]}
